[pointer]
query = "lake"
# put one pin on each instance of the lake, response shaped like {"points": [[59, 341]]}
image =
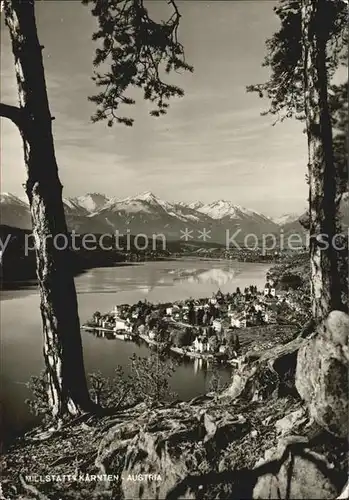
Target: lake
{"points": [[101, 289]]}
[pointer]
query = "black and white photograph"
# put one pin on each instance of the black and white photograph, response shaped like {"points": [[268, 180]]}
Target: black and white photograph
{"points": [[174, 226]]}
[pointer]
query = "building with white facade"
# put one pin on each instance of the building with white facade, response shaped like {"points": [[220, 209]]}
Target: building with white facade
{"points": [[217, 325]]}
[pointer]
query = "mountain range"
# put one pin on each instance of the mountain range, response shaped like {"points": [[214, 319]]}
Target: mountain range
{"points": [[146, 213]]}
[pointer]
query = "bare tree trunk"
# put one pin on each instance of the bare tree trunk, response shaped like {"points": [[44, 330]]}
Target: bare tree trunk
{"points": [[325, 282], [68, 392]]}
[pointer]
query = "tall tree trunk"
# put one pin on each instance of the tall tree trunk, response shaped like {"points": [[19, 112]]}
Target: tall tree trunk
{"points": [[68, 392], [325, 282]]}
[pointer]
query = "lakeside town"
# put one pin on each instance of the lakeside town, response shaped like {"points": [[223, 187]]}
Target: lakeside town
{"points": [[217, 328]]}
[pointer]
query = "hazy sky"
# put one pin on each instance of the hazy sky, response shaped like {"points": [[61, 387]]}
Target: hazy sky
{"points": [[212, 144]]}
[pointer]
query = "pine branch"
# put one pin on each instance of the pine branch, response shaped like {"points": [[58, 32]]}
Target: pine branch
{"points": [[134, 51], [13, 113]]}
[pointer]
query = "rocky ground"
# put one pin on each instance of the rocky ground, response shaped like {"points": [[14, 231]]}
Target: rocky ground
{"points": [[256, 339], [279, 431]]}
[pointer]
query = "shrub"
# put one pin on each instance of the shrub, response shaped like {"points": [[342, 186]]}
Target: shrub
{"points": [[290, 281], [148, 382], [150, 378], [216, 383], [117, 391], [39, 404], [182, 337]]}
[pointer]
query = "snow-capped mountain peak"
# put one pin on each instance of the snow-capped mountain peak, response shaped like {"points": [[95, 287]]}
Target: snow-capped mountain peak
{"points": [[147, 196], [286, 219], [195, 205], [91, 202], [70, 203], [220, 209], [14, 211], [8, 198], [143, 201]]}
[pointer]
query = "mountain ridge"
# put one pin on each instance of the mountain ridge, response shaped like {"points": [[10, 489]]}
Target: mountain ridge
{"points": [[93, 202], [146, 213]]}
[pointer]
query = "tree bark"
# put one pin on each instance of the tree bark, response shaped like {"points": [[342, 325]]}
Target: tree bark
{"points": [[68, 392], [325, 279]]}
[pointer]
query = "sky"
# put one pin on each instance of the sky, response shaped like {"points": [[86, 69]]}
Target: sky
{"points": [[213, 144]]}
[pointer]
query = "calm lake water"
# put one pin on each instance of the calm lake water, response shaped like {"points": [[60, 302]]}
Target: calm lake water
{"points": [[100, 289]]}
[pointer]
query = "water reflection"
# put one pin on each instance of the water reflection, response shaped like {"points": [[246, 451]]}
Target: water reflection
{"points": [[217, 276], [146, 278], [197, 365]]}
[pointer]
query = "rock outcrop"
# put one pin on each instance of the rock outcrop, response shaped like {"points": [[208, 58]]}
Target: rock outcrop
{"points": [[163, 446], [304, 476], [322, 374], [272, 373], [321, 380], [259, 439]]}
